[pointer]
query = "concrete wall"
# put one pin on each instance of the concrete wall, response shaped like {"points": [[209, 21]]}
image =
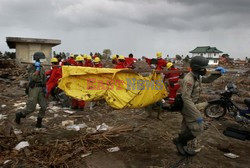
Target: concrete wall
{"points": [[22, 52], [213, 62], [25, 51]]}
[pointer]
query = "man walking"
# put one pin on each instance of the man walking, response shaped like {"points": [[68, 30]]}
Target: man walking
{"points": [[36, 91]]}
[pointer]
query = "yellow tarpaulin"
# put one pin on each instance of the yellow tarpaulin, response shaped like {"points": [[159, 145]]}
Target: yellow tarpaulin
{"points": [[119, 89]]}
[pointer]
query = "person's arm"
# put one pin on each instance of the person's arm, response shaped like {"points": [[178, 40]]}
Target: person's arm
{"points": [[148, 60], [213, 76], [210, 78]]}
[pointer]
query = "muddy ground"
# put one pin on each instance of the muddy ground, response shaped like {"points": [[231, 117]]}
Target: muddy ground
{"points": [[142, 141]]}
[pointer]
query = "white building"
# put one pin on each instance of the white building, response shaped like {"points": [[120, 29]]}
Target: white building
{"points": [[211, 53]]}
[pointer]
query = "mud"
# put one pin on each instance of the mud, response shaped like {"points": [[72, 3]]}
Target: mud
{"points": [[149, 144]]}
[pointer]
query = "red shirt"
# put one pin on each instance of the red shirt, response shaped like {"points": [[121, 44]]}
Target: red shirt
{"points": [[47, 73], [130, 62], [120, 65], [71, 61], [88, 63], [79, 63], [172, 77], [161, 63], [99, 65], [56, 74]]}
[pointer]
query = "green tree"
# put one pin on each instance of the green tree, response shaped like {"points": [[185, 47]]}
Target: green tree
{"points": [[54, 53], [106, 53], [11, 55], [178, 57], [186, 59]]}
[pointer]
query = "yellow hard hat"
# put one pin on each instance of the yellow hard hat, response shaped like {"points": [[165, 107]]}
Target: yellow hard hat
{"points": [[89, 57], [113, 57], [71, 55], [158, 54], [97, 59], [169, 64], [85, 56], [79, 58], [121, 57], [53, 60]]}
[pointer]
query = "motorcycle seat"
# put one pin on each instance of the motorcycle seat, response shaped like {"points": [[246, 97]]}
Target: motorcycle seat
{"points": [[247, 102]]}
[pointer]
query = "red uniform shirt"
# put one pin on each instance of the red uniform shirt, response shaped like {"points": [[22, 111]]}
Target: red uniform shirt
{"points": [[120, 65], [130, 62], [72, 61], [99, 65], [79, 63], [88, 63], [173, 77], [48, 72], [56, 74], [161, 63]]}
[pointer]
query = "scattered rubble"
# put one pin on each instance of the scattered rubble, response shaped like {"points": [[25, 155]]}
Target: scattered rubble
{"points": [[74, 140], [113, 149], [231, 155], [21, 145]]}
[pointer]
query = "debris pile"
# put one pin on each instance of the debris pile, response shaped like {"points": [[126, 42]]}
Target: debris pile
{"points": [[58, 152], [10, 70]]}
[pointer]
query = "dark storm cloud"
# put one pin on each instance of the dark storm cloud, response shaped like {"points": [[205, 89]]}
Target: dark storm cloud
{"points": [[160, 14], [131, 25], [196, 14]]}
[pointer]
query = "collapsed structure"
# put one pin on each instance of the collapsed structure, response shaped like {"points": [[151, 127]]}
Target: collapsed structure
{"points": [[26, 47]]}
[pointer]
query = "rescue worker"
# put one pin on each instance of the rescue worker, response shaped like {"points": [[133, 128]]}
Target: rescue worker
{"points": [[79, 60], [59, 58], [55, 75], [97, 62], [172, 81], [71, 60], [88, 61], [78, 104], [130, 61], [114, 58], [160, 63], [192, 123], [95, 55], [36, 91], [121, 64]]}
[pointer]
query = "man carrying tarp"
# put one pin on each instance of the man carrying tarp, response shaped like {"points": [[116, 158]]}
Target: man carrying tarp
{"points": [[159, 62], [71, 60], [172, 79], [88, 61], [130, 61], [114, 58], [78, 104], [97, 63], [36, 91], [55, 75], [79, 60], [121, 64]]}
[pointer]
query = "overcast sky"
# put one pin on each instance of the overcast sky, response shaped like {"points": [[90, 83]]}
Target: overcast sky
{"points": [[142, 27]]}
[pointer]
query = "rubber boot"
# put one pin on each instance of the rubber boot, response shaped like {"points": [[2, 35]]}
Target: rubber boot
{"points": [[187, 136], [19, 115], [39, 123], [181, 143]]}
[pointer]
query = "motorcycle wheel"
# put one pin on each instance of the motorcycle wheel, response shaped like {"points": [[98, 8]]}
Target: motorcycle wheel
{"points": [[215, 111]]}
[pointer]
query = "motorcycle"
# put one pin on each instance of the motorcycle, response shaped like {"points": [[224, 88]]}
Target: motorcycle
{"points": [[219, 107]]}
